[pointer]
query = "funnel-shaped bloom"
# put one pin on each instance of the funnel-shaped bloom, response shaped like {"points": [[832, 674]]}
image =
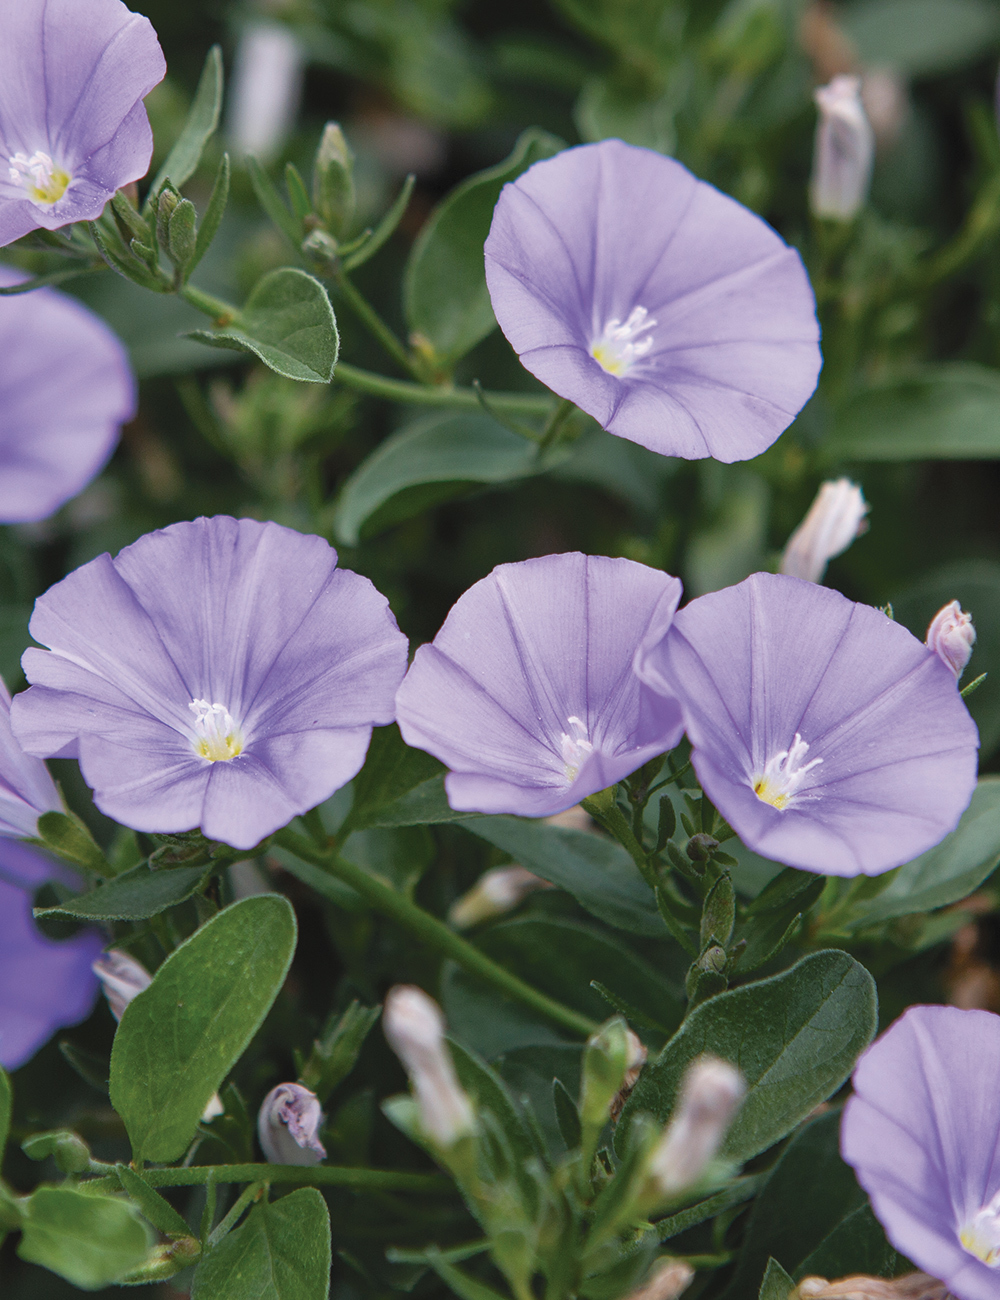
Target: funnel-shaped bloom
{"points": [[923, 1134], [664, 309], [73, 127], [44, 983], [66, 388], [828, 736], [222, 673], [528, 692], [26, 789]]}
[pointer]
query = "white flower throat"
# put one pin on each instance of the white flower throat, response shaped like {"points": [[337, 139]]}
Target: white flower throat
{"points": [[981, 1235], [616, 350], [44, 182], [574, 748], [783, 775], [217, 735]]}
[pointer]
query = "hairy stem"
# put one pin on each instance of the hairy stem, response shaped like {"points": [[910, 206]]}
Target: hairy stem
{"points": [[375, 1180]]}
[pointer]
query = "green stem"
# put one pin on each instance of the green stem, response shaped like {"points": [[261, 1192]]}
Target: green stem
{"points": [[554, 427], [373, 1180], [609, 816], [248, 1194], [375, 325], [465, 399], [221, 312], [435, 933]]}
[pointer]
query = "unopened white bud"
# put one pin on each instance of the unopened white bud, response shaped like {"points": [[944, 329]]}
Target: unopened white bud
{"points": [[288, 1124], [666, 1282], [414, 1027], [951, 636], [266, 90], [843, 153], [122, 977], [493, 894], [914, 1286], [709, 1096], [834, 519]]}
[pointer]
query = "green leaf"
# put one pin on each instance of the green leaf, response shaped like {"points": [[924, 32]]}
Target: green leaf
{"points": [[6, 1104], [374, 241], [856, 1245], [944, 874], [491, 1094], [281, 1252], [183, 159], [288, 323], [777, 1285], [976, 585], [156, 1208], [179, 1038], [437, 457], [567, 1115], [795, 1037], [461, 1283], [398, 854], [946, 412], [597, 872], [88, 1239], [391, 769], [132, 896], [562, 957], [213, 213], [272, 203], [66, 835], [918, 37], [444, 290]]}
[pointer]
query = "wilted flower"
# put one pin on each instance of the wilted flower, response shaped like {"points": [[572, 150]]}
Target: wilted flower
{"points": [[923, 1135], [844, 151], [828, 737], [66, 388], [266, 89], [73, 127], [122, 977], [44, 983], [660, 306], [834, 519], [26, 788], [528, 693], [287, 1126], [221, 673], [710, 1094], [494, 893], [414, 1027], [951, 636]]}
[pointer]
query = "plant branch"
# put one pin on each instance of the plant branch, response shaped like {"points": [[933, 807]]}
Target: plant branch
{"points": [[375, 325], [375, 1180], [465, 399]]}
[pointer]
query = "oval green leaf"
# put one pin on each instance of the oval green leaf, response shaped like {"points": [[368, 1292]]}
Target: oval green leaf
{"points": [[288, 323], [132, 896], [179, 1038], [444, 291], [89, 1240], [795, 1038]]}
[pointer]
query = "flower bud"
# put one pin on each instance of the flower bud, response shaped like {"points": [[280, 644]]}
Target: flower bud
{"points": [[951, 636], [709, 1096], [333, 180], [414, 1027], [265, 91], [834, 519], [122, 977], [843, 153], [912, 1286], [666, 1282], [608, 1058], [496, 892], [287, 1125]]}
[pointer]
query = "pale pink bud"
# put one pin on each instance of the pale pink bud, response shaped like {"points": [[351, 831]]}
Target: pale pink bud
{"points": [[709, 1096], [414, 1027], [843, 153], [666, 1282], [951, 636], [496, 892], [122, 977], [835, 518], [288, 1124]]}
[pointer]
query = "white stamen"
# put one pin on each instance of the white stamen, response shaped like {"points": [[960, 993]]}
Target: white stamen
{"points": [[981, 1235], [219, 738], [783, 774], [615, 350], [45, 182], [574, 748]]}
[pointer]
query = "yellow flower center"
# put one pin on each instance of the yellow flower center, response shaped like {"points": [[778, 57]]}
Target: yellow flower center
{"points": [[44, 182], [783, 773], [615, 350], [218, 738]]}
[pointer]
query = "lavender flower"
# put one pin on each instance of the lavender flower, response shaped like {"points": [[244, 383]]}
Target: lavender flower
{"points": [[664, 309], [73, 128], [66, 387], [828, 736], [834, 519], [288, 1126], [44, 983], [951, 636], [221, 673], [923, 1135], [528, 693], [26, 789]]}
